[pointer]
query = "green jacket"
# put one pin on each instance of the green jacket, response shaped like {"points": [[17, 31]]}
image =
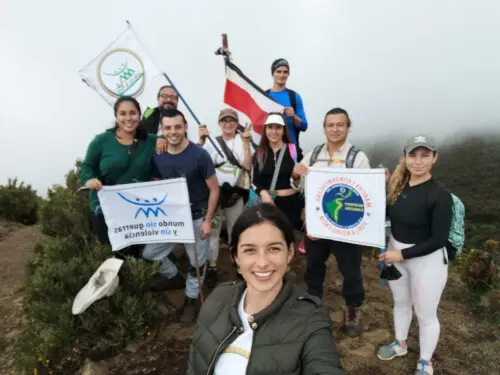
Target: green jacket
{"points": [[292, 336]]}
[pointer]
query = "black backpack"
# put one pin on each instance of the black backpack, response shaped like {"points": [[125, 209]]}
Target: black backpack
{"points": [[349, 163]]}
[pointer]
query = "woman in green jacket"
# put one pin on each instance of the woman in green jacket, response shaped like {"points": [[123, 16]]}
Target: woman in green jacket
{"points": [[120, 155], [263, 324]]}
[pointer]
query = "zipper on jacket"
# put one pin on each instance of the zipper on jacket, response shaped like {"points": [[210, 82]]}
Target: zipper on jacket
{"points": [[212, 363]]}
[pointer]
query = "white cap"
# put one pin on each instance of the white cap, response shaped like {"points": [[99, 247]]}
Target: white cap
{"points": [[274, 119], [101, 284]]}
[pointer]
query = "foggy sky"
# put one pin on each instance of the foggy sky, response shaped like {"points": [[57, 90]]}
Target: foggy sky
{"points": [[398, 67]]}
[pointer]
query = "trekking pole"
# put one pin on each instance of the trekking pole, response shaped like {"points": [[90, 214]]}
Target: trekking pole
{"points": [[383, 249], [198, 273]]}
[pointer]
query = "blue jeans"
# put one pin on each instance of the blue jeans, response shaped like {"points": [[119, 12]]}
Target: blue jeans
{"points": [[160, 252]]}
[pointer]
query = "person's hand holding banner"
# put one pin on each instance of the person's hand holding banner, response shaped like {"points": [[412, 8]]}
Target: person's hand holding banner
{"points": [[299, 170], [94, 184]]}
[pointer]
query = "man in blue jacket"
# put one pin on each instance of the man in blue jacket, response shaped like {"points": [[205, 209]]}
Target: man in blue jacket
{"points": [[294, 108]]}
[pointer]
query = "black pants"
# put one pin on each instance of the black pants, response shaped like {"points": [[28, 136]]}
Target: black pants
{"points": [[101, 231], [291, 206], [100, 228], [348, 257]]}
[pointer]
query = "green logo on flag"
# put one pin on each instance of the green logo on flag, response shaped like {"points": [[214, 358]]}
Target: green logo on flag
{"points": [[121, 72]]}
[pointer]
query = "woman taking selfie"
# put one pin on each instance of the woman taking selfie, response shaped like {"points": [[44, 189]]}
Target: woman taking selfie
{"points": [[120, 155], [263, 324], [417, 248], [273, 161]]}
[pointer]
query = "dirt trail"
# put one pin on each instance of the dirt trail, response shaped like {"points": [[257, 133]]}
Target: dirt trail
{"points": [[467, 345], [16, 246]]}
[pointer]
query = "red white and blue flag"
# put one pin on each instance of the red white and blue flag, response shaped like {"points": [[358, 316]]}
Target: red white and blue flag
{"points": [[245, 96]]}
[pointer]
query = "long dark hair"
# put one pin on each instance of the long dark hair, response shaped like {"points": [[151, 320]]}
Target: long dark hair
{"points": [[140, 132], [262, 149], [257, 215]]}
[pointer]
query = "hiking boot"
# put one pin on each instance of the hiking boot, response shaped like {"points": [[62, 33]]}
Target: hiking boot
{"points": [[352, 320], [212, 277], [391, 351], [424, 368], [190, 310], [160, 283]]}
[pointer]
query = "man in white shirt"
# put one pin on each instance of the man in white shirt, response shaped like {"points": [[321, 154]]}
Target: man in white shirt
{"points": [[337, 152], [233, 173]]}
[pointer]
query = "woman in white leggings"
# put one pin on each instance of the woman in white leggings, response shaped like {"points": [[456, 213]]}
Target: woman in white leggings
{"points": [[420, 210]]}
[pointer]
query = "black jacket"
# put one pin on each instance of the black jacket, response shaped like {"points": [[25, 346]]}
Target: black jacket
{"points": [[151, 120], [291, 336]]}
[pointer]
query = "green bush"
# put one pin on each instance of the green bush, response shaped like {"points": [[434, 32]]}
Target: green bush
{"points": [[55, 277], [19, 202], [66, 212], [480, 273], [65, 260]]}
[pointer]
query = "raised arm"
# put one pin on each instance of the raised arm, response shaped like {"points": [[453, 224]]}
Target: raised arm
{"points": [[300, 120], [207, 170]]}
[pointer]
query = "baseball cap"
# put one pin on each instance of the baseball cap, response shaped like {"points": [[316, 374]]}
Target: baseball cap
{"points": [[228, 112], [420, 141], [274, 119]]}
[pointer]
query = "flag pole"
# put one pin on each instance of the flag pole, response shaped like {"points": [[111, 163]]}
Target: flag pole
{"points": [[186, 104]]}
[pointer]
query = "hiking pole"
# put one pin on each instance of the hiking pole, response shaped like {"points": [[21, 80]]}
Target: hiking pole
{"points": [[198, 274]]}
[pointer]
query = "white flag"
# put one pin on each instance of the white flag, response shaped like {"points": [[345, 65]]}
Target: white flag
{"points": [[346, 205], [123, 69], [147, 212]]}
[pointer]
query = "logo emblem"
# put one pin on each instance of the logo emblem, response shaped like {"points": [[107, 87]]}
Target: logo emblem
{"points": [[121, 72], [343, 206], [420, 139], [146, 206]]}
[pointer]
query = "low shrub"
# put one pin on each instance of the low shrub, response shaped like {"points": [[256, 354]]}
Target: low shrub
{"points": [[19, 202], [54, 279]]}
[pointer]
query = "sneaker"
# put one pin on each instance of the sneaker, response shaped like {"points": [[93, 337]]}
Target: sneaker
{"points": [[424, 368], [352, 319], [160, 283], [212, 277], [190, 311], [391, 351]]}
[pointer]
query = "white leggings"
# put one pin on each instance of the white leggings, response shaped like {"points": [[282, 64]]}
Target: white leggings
{"points": [[421, 286]]}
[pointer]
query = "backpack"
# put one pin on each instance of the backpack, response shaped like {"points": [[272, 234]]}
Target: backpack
{"points": [[349, 163], [456, 237], [292, 149]]}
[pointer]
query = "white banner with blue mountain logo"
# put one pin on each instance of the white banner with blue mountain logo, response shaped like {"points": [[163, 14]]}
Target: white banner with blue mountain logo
{"points": [[147, 212], [346, 205]]}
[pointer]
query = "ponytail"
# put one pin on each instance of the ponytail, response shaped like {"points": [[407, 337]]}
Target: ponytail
{"points": [[397, 182]]}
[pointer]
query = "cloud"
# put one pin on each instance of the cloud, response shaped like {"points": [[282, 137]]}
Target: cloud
{"points": [[396, 67]]}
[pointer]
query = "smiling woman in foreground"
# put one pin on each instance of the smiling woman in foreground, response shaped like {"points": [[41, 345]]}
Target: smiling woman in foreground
{"points": [[263, 324]]}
